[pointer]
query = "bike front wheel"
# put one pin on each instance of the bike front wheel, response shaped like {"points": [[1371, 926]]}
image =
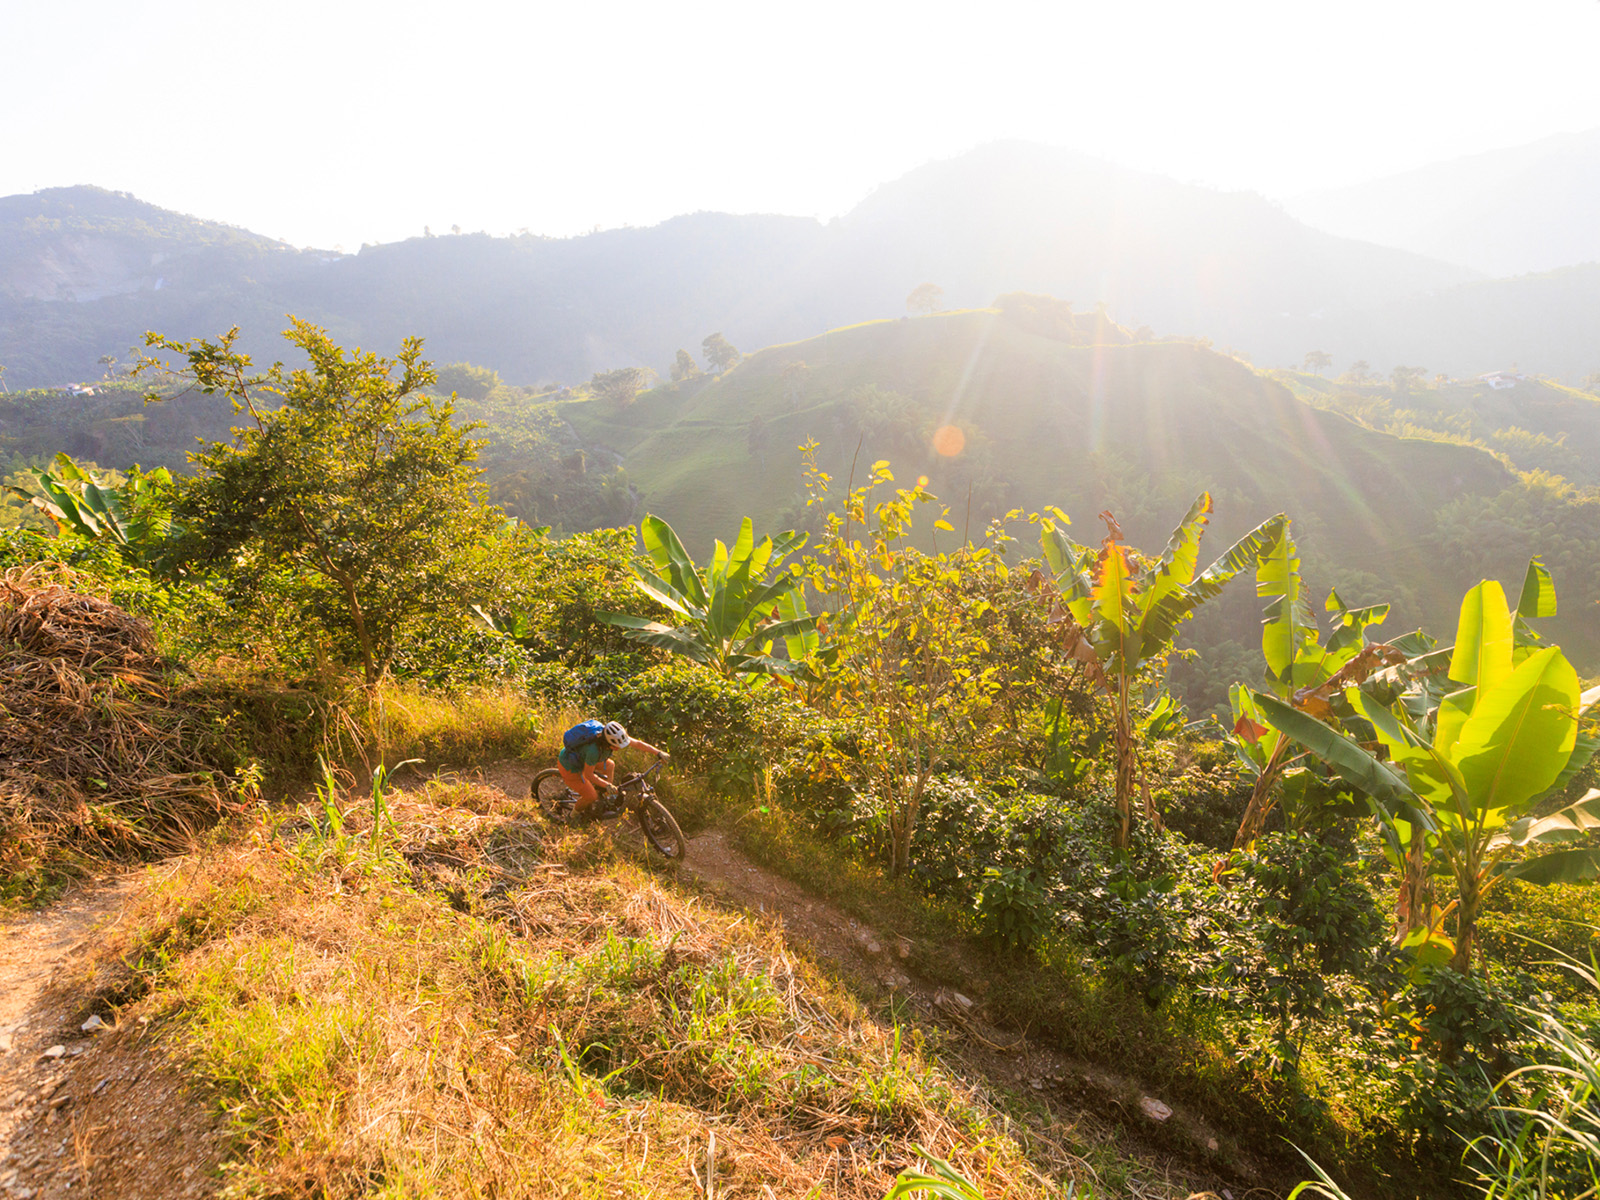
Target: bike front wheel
{"points": [[661, 830]]}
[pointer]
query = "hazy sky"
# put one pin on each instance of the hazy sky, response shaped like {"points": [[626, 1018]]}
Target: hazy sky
{"points": [[338, 122]]}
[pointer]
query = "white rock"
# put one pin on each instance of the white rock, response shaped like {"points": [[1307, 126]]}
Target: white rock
{"points": [[1154, 1109], [92, 1024], [966, 1005], [55, 1052]]}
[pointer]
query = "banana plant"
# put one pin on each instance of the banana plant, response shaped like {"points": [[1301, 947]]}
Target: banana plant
{"points": [[136, 516], [1468, 769], [1302, 670], [1117, 612], [732, 612]]}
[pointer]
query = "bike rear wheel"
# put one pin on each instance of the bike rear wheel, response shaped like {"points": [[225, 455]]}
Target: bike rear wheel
{"points": [[549, 792], [661, 830]]}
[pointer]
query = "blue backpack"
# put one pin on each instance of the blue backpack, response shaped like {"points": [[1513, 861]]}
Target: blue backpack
{"points": [[583, 733]]}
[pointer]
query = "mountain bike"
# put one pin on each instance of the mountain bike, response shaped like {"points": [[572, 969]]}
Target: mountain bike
{"points": [[633, 794]]}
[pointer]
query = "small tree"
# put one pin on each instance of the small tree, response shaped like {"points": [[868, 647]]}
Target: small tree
{"points": [[350, 485], [925, 298], [719, 353], [1318, 361], [465, 380], [1118, 613], [1405, 379], [908, 655], [1360, 371], [684, 367], [622, 386]]}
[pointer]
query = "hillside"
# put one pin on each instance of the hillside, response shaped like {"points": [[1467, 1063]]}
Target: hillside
{"points": [[1540, 323], [1536, 424], [83, 273], [1140, 428], [1507, 212]]}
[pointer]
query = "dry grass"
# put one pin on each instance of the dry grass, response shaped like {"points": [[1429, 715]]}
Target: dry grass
{"points": [[98, 756], [468, 726], [433, 1003]]}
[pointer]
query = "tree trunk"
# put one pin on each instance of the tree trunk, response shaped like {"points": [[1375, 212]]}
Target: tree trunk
{"points": [[1466, 925], [1127, 769], [1261, 798]]}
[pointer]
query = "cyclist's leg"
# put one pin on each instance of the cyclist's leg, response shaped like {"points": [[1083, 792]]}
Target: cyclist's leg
{"points": [[584, 789]]}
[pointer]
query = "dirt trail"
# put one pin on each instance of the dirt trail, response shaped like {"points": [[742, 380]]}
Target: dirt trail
{"points": [[87, 1112], [1076, 1093]]}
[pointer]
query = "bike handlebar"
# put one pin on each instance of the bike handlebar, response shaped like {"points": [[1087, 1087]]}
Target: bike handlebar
{"points": [[640, 776]]}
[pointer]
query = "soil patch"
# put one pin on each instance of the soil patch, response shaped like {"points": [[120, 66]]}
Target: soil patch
{"points": [[88, 1112]]}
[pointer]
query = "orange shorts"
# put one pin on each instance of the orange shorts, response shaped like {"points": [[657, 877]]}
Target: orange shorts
{"points": [[585, 789]]}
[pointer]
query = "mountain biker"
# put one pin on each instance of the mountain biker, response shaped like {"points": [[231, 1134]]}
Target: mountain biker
{"points": [[589, 769]]}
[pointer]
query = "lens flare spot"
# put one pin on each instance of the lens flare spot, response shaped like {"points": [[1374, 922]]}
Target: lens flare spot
{"points": [[949, 441]]}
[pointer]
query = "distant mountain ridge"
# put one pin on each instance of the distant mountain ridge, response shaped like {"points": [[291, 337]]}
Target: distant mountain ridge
{"points": [[1010, 216], [1508, 212]]}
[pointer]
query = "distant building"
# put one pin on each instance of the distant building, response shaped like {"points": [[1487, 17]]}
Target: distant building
{"points": [[1500, 380]]}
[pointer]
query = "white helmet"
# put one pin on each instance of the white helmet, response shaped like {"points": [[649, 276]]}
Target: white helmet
{"points": [[617, 735]]}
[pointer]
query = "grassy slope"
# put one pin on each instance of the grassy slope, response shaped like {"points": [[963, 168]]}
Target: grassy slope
{"points": [[451, 1006], [1183, 415]]}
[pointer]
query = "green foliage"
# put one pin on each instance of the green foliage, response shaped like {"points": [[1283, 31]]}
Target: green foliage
{"points": [[552, 608], [465, 381], [737, 736], [684, 367], [1301, 672], [907, 651], [731, 612], [1474, 762], [134, 514], [719, 353], [619, 388], [1119, 613], [357, 494]]}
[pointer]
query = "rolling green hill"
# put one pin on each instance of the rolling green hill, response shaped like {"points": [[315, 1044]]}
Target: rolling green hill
{"points": [[1047, 418]]}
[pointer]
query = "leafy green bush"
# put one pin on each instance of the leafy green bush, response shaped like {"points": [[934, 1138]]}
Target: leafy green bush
{"points": [[461, 656], [730, 731]]}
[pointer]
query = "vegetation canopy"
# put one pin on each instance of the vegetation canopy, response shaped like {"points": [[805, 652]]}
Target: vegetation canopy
{"points": [[350, 484]]}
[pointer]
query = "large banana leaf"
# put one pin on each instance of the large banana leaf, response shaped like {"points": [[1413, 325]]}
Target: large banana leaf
{"points": [[1538, 598], [1160, 626], [1174, 570], [1289, 631], [1349, 635], [1072, 566], [1353, 764], [1573, 823], [1520, 734], [1451, 718], [679, 640], [802, 643], [1482, 655], [664, 594], [667, 552], [1559, 866], [727, 612], [1430, 775], [1112, 596]]}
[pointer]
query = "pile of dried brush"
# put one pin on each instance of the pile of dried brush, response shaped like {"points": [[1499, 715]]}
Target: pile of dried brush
{"points": [[98, 757]]}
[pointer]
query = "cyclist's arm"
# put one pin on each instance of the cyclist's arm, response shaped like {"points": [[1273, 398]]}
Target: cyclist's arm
{"points": [[648, 748], [596, 774]]}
